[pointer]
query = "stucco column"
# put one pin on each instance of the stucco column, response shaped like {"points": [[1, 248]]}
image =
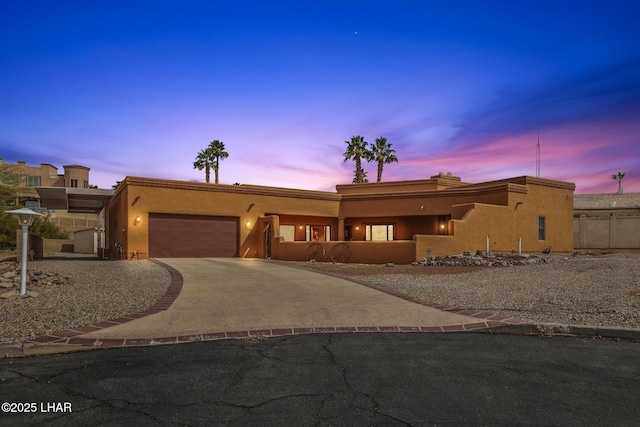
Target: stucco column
{"points": [[340, 228]]}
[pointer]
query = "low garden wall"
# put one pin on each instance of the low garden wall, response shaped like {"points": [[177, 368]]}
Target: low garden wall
{"points": [[397, 252]]}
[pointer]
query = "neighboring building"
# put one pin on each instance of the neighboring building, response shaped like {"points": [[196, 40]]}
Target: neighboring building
{"points": [[375, 222], [606, 221], [27, 178]]}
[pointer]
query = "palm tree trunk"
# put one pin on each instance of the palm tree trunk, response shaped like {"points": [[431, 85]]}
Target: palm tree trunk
{"points": [[207, 173], [380, 166], [358, 170]]}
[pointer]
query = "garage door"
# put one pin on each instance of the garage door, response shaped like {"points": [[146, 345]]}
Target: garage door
{"points": [[192, 236]]}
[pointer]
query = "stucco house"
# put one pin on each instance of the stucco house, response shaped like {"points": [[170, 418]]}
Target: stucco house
{"points": [[370, 223], [27, 179]]}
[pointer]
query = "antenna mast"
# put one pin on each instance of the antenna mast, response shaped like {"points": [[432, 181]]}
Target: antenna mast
{"points": [[538, 156]]}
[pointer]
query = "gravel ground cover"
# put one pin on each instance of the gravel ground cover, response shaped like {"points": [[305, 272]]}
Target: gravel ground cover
{"points": [[598, 290], [595, 290], [93, 291]]}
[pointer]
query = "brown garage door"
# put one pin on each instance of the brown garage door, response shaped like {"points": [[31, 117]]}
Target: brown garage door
{"points": [[192, 236]]}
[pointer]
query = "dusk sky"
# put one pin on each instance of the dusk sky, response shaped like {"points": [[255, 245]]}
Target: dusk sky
{"points": [[139, 87]]}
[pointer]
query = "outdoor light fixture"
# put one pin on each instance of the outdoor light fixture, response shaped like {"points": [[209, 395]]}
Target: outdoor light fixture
{"points": [[25, 218], [247, 226], [137, 220], [441, 226]]}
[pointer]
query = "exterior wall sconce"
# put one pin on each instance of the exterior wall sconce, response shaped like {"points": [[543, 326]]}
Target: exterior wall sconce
{"points": [[247, 225], [422, 207], [137, 220], [357, 227], [300, 227], [442, 226]]}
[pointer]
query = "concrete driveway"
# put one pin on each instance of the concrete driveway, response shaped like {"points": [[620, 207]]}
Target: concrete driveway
{"points": [[232, 294]]}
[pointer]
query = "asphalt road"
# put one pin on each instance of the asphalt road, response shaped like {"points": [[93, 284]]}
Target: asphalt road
{"points": [[333, 380]]}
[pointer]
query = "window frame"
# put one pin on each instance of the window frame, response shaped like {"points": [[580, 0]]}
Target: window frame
{"points": [[542, 228], [369, 232], [33, 181]]}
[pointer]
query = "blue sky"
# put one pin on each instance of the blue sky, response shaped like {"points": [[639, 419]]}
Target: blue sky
{"points": [[139, 87]]}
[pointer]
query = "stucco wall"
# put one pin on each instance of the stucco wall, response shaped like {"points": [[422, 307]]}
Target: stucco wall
{"points": [[505, 210], [248, 203], [471, 223], [610, 232], [397, 252]]}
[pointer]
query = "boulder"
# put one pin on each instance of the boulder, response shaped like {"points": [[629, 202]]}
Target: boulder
{"points": [[10, 295]]}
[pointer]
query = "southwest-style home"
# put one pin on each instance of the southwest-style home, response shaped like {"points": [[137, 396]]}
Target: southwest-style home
{"points": [[368, 223], [28, 180]]}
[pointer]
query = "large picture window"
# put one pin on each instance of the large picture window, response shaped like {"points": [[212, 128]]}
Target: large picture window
{"points": [[379, 232], [288, 232]]}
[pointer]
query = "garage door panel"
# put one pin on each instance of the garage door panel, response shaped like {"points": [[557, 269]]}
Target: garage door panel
{"points": [[191, 236]]}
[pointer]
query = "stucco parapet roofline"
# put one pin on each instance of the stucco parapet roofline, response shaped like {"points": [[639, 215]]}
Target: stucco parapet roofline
{"points": [[531, 180], [393, 187], [77, 167], [236, 189], [449, 192]]}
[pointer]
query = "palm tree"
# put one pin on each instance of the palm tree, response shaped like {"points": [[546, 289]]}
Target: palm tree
{"points": [[210, 158], [363, 180], [356, 151], [383, 153], [204, 160], [618, 177], [218, 153]]}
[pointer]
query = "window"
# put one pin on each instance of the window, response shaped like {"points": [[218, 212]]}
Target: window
{"points": [[317, 233], [34, 181], [288, 232], [541, 228], [379, 232], [31, 204], [74, 183]]}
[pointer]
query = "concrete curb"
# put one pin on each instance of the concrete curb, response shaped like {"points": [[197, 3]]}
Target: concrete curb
{"points": [[552, 329], [540, 329]]}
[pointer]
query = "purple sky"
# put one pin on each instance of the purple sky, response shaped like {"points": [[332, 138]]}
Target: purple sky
{"points": [[139, 87]]}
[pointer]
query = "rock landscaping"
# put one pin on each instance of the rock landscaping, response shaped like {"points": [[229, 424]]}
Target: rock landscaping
{"points": [[10, 278], [482, 260], [62, 294]]}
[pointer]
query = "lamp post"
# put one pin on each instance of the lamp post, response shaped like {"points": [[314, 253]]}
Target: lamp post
{"points": [[25, 218]]}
